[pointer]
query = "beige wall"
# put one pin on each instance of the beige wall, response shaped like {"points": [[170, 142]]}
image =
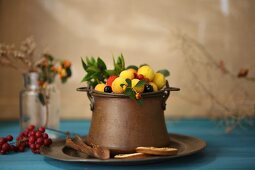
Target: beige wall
{"points": [[144, 31]]}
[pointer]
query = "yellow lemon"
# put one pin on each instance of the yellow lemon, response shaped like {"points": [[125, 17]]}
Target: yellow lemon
{"points": [[159, 80], [137, 89], [147, 72], [100, 87], [127, 74], [154, 86], [116, 85], [133, 70]]}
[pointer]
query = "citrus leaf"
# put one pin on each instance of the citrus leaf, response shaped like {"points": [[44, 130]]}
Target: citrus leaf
{"points": [[122, 61], [119, 65], [86, 78], [130, 93], [165, 72], [143, 65], [100, 64], [93, 61], [92, 69], [140, 83], [129, 82], [132, 66], [92, 83], [110, 72], [121, 85], [88, 61], [114, 62], [84, 65]]}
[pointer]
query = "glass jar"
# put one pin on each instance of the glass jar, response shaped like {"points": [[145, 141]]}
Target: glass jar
{"points": [[33, 110]]}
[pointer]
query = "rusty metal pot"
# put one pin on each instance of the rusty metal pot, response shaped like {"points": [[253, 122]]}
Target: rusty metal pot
{"points": [[120, 124]]}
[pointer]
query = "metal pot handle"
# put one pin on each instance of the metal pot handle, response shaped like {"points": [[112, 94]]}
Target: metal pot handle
{"points": [[89, 94], [166, 94]]}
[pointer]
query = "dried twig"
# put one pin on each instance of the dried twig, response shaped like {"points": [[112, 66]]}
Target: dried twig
{"points": [[231, 117]]}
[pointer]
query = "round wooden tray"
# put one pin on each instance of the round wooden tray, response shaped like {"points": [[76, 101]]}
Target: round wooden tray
{"points": [[186, 145]]}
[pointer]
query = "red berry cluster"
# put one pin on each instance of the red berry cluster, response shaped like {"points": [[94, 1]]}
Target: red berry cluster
{"points": [[5, 147], [30, 137]]}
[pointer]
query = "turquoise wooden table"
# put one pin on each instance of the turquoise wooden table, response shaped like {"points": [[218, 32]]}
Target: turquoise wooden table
{"points": [[224, 151]]}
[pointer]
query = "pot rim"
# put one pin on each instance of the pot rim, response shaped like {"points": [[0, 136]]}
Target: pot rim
{"points": [[114, 95], [164, 94], [102, 94]]}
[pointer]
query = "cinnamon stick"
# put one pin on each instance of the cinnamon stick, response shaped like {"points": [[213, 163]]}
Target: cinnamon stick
{"points": [[96, 151], [99, 151]]}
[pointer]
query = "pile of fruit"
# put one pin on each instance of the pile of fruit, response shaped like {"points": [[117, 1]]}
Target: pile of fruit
{"points": [[31, 137], [131, 81]]}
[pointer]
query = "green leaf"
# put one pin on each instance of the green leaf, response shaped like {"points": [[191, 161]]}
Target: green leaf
{"points": [[119, 60], [41, 98], [93, 61], [88, 61], [143, 65], [132, 66], [110, 72], [113, 59], [140, 83], [96, 71], [122, 61], [92, 83], [92, 69], [130, 93], [165, 72], [129, 82], [119, 65], [100, 64], [84, 65], [121, 85], [101, 78], [86, 78]]}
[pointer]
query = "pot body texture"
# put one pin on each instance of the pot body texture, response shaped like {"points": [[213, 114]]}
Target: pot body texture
{"points": [[121, 124]]}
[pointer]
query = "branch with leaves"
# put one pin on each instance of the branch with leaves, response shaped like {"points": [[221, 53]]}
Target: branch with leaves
{"points": [[97, 71], [23, 59]]}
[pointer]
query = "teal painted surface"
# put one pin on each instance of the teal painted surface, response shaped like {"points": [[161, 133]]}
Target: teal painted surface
{"points": [[224, 151]]}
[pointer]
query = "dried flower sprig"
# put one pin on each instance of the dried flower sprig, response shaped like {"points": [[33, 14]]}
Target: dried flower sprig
{"points": [[22, 58]]}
